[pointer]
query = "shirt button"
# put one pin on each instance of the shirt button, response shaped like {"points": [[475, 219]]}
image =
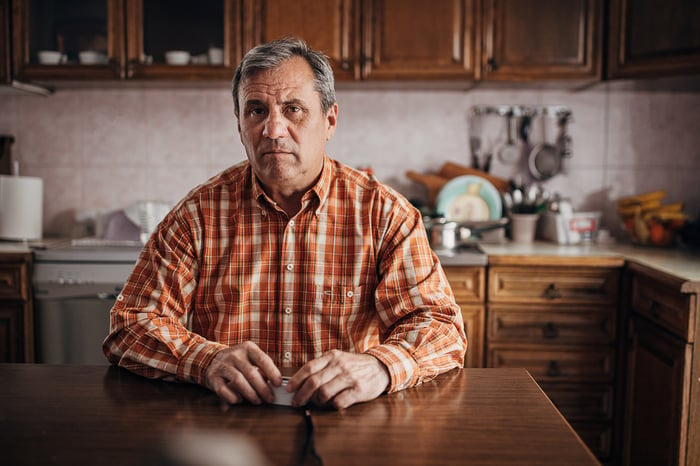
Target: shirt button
{"points": [[287, 355], [291, 223], [349, 294], [263, 212], [290, 266], [288, 310], [120, 298]]}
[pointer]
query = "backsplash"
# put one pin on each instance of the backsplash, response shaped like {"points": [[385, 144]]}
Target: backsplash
{"points": [[106, 148]]}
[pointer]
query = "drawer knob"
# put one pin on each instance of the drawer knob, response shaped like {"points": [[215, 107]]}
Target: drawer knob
{"points": [[552, 292], [549, 330], [553, 370]]}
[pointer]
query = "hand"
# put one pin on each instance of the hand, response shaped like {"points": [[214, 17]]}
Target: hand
{"points": [[241, 373], [339, 379]]}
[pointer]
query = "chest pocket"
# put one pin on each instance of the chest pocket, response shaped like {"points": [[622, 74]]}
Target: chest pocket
{"points": [[338, 308]]}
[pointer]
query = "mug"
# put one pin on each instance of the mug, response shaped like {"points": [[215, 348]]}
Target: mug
{"points": [[91, 57], [216, 56]]}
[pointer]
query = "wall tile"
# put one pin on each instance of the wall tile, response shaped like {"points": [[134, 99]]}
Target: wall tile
{"points": [[105, 148]]}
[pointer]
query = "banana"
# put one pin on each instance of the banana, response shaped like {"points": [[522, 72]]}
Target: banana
{"points": [[641, 230], [642, 198]]}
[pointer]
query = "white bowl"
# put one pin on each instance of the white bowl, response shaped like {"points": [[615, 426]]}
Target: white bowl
{"points": [[177, 57], [50, 57], [90, 57]]}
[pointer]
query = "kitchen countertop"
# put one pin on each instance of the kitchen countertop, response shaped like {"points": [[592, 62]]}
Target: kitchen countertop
{"points": [[682, 264]]}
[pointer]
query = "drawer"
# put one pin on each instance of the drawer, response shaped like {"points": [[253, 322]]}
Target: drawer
{"points": [[553, 284], [663, 303], [468, 283], [556, 364], [544, 325], [597, 436], [581, 402], [12, 278]]}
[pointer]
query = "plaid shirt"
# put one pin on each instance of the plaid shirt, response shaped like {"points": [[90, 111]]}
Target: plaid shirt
{"points": [[353, 271]]}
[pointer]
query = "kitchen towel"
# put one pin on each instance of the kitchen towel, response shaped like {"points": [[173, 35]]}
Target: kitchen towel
{"points": [[21, 202]]}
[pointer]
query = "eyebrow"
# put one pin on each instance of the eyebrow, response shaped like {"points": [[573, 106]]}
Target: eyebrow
{"points": [[253, 102]]}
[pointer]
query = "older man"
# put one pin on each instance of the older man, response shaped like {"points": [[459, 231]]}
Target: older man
{"points": [[289, 261]]}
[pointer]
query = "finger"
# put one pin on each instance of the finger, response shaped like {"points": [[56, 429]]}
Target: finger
{"points": [[306, 371], [313, 385], [265, 365], [224, 392]]}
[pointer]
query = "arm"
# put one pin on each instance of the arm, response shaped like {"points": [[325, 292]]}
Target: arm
{"points": [[149, 322], [413, 298]]}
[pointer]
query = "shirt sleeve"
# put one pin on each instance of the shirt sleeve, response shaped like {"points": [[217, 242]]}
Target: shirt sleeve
{"points": [[148, 322], [425, 335]]}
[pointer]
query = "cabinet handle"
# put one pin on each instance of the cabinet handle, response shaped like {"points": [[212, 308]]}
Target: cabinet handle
{"points": [[654, 309], [553, 370], [552, 292], [549, 330], [492, 65]]}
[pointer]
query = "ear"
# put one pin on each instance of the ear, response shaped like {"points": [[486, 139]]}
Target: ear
{"points": [[238, 123], [331, 121]]}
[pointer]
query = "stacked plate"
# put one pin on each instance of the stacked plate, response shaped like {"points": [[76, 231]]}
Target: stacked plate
{"points": [[469, 198]]}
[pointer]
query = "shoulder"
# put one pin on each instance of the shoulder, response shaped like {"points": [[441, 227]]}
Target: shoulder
{"points": [[364, 187]]}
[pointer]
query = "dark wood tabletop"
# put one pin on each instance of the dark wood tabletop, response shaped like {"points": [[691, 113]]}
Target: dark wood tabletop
{"points": [[96, 415]]}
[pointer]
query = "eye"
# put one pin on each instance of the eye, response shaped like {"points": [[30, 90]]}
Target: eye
{"points": [[256, 111], [294, 109]]}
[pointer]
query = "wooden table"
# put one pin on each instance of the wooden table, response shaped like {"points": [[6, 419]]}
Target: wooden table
{"points": [[92, 415]]}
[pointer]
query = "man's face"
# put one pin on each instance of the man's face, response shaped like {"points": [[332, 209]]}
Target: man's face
{"points": [[283, 128]]}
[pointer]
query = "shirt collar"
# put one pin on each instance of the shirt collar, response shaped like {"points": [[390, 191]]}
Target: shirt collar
{"points": [[320, 189]]}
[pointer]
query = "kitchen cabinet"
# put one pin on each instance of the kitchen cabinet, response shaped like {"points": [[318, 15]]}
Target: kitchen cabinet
{"points": [[469, 285], [331, 26], [414, 39], [68, 27], [5, 50], [154, 27], [560, 322], [526, 40], [16, 310], [662, 416], [653, 38], [130, 38]]}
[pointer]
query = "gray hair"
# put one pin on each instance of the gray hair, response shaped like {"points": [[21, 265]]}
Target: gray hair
{"points": [[273, 54]]}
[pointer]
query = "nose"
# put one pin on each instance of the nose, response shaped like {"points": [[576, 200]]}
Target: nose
{"points": [[275, 126]]}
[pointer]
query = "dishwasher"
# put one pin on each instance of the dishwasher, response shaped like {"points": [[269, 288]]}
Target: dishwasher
{"points": [[75, 285]]}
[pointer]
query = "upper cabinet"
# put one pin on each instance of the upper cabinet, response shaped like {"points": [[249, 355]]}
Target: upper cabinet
{"points": [[117, 39], [327, 25], [5, 51], [402, 40], [653, 38], [415, 39], [527, 40], [68, 39], [181, 39]]}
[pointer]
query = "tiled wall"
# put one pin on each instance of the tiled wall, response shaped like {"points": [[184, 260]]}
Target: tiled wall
{"points": [[106, 148]]}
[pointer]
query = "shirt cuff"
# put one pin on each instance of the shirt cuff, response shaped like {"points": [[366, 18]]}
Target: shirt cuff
{"points": [[193, 366], [403, 369]]}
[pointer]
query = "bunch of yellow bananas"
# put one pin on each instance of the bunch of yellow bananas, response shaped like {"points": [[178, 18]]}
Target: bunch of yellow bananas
{"points": [[650, 221]]}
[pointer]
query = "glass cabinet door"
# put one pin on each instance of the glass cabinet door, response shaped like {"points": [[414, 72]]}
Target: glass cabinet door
{"points": [[68, 39], [182, 39]]}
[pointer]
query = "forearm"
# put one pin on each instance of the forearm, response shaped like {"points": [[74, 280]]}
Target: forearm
{"points": [[414, 354], [160, 350]]}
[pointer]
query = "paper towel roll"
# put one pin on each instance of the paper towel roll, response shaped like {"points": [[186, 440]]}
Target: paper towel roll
{"points": [[21, 201]]}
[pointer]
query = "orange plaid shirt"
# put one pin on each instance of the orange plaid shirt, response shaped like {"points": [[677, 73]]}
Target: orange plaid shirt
{"points": [[353, 271]]}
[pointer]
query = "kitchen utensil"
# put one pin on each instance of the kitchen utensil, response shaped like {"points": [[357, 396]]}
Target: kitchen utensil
{"points": [[6, 142], [545, 159], [509, 152], [525, 128], [445, 235], [475, 147], [51, 57], [469, 198], [433, 184]]}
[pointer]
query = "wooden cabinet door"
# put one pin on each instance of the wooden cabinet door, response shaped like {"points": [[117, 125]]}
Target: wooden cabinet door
{"points": [[650, 38], [5, 51], [329, 26], [155, 27], [69, 28], [468, 286], [541, 39], [417, 39], [658, 385]]}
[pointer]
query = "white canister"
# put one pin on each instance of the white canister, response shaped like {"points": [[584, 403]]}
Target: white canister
{"points": [[21, 202]]}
